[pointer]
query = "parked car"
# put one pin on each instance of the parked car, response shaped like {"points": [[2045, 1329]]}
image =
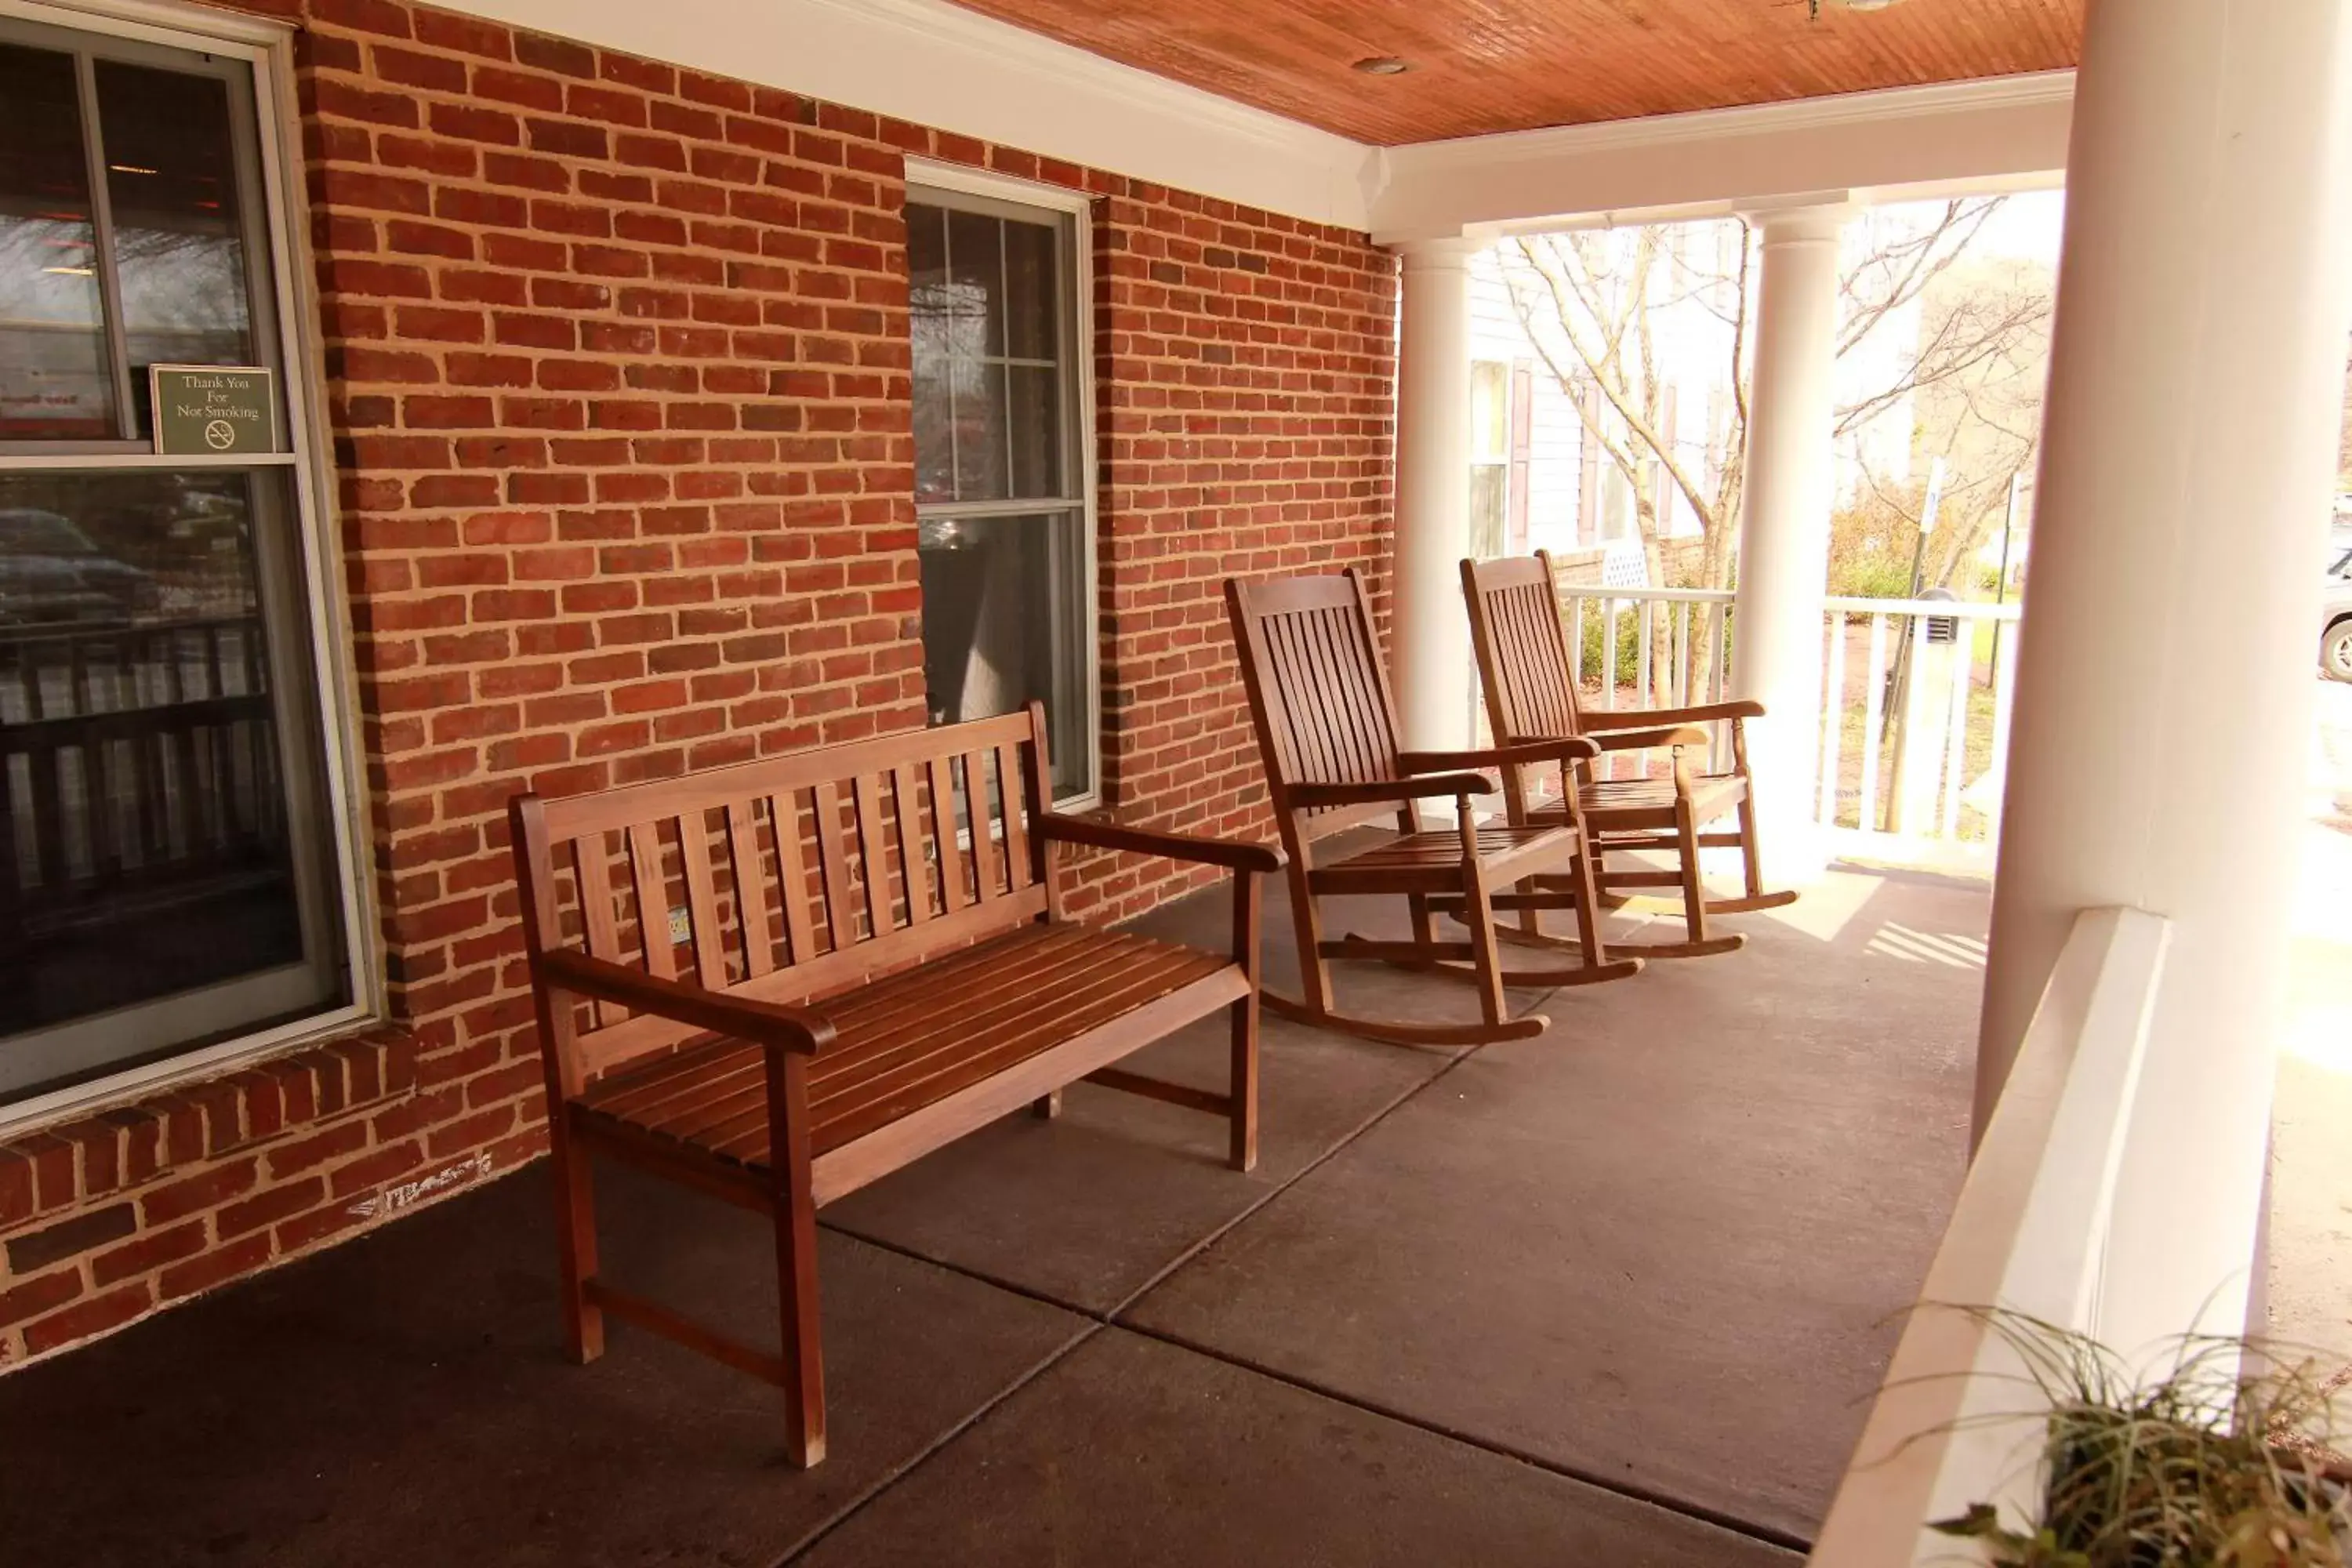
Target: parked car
{"points": [[2336, 620], [51, 573]]}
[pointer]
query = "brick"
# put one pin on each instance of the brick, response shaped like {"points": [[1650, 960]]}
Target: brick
{"points": [[193, 1194], [36, 1296], [16, 1188], [87, 1319], [270, 1208], [217, 1267], [148, 1253], [35, 1250]]}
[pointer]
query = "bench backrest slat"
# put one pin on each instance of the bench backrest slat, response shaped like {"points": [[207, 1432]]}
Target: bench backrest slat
{"points": [[790, 878]]}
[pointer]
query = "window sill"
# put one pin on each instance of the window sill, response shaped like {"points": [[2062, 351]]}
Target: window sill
{"points": [[95, 1152]]}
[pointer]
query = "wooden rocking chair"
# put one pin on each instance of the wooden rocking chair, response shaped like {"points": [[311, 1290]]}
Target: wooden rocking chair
{"points": [[1326, 733], [1530, 691]]}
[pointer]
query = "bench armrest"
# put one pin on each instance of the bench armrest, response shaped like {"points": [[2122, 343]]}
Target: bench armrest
{"points": [[1374, 792], [1651, 718], [1643, 740], [1234, 854], [739, 1017]]}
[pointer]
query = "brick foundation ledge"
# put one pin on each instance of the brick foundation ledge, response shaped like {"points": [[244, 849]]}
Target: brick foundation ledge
{"points": [[117, 1213]]}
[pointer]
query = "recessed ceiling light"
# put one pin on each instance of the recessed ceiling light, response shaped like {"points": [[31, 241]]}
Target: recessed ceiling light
{"points": [[1382, 64]]}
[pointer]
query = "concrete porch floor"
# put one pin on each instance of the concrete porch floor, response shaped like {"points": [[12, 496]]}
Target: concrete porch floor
{"points": [[1612, 1295]]}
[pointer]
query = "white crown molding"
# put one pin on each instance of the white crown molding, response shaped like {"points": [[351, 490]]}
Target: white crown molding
{"points": [[1877, 106], [1018, 48], [1993, 133], [938, 65]]}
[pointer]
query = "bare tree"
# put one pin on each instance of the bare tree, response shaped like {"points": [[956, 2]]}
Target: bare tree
{"points": [[1592, 302], [1984, 347]]}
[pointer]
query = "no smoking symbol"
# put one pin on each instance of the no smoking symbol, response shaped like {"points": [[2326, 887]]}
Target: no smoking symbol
{"points": [[220, 435]]}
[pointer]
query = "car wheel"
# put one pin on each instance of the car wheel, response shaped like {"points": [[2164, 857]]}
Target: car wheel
{"points": [[2335, 651]]}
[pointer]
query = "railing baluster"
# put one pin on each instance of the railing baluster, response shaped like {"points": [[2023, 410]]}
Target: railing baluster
{"points": [[2004, 688], [1607, 765], [1956, 732], [1576, 643], [1678, 681], [1833, 720], [1873, 713], [1645, 626]]}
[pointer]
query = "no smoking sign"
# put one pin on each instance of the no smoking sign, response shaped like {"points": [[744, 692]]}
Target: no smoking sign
{"points": [[204, 410]]}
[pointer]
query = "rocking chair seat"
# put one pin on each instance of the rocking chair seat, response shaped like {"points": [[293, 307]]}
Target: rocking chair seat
{"points": [[1431, 862], [1614, 804]]}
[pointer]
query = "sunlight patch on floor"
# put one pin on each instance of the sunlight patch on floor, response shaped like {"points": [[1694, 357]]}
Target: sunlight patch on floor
{"points": [[1950, 949]]}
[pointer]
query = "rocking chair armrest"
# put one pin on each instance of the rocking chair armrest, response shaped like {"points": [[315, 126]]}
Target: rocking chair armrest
{"points": [[1376, 791], [1651, 718], [739, 1017], [1526, 752], [1643, 740], [1234, 854]]}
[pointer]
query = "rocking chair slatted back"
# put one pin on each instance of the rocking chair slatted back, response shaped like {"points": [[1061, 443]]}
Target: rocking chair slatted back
{"points": [[1319, 694], [1522, 648]]}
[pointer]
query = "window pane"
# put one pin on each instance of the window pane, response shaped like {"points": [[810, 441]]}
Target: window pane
{"points": [[1004, 623], [150, 844], [1490, 410], [1033, 291], [976, 281], [979, 455], [179, 249], [56, 381], [1034, 415], [1488, 490], [934, 423], [931, 328]]}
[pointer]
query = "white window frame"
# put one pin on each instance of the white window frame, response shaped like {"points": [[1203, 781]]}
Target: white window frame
{"points": [[269, 48], [926, 173]]}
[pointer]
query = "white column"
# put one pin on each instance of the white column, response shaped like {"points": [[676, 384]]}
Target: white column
{"points": [[1430, 642], [2164, 678], [1784, 530]]}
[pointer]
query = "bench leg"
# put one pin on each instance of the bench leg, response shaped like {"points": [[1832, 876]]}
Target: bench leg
{"points": [[576, 1241], [1241, 1086], [1242, 1151], [1046, 1107], [795, 1217]]}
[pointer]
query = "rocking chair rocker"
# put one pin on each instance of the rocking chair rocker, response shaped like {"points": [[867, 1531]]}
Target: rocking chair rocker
{"points": [[1326, 733]]}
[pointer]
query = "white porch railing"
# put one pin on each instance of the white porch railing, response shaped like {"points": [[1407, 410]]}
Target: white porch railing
{"points": [[1915, 705], [1956, 1421]]}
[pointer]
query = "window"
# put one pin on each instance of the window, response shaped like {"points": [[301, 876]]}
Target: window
{"points": [[1002, 457], [170, 878], [1490, 455]]}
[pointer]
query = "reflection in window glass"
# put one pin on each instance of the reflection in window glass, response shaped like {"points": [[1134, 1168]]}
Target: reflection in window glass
{"points": [[171, 180], [1003, 613], [1006, 598], [56, 383], [1033, 291], [148, 848]]}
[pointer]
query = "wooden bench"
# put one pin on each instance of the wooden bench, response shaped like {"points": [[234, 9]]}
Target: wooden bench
{"points": [[812, 970]]}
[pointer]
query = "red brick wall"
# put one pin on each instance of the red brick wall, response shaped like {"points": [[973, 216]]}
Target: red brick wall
{"points": [[618, 366]]}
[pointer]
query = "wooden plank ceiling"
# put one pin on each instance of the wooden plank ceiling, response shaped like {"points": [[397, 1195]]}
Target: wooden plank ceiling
{"points": [[1482, 66]]}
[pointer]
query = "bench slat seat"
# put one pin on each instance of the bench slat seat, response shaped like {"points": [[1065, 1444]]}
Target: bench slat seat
{"points": [[910, 1040], [1613, 805]]}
